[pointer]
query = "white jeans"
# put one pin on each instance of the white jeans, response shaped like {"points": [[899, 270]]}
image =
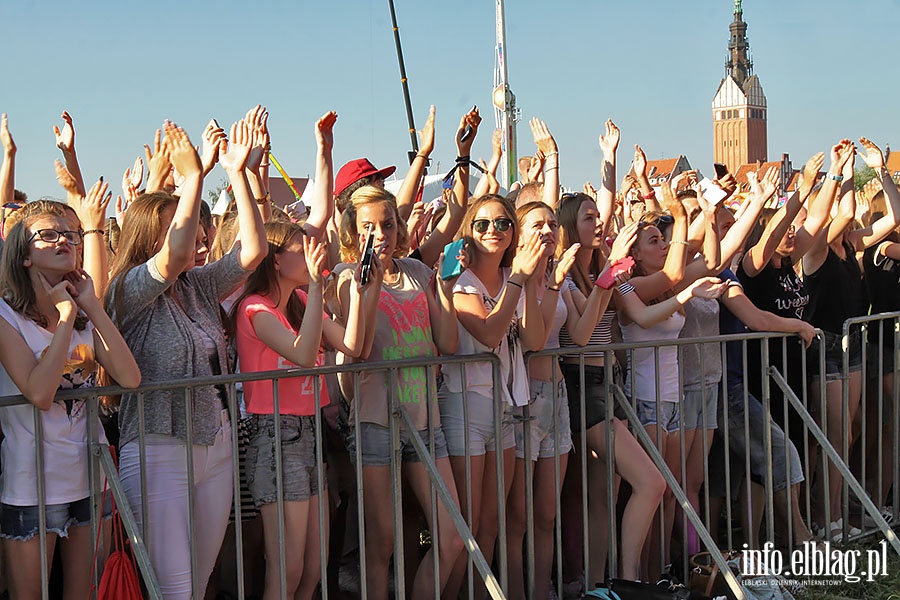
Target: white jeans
{"points": [[168, 530]]}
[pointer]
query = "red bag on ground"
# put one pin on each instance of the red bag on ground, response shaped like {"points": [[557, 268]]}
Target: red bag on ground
{"points": [[120, 579]]}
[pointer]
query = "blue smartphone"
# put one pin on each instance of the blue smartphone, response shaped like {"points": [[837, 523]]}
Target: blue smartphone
{"points": [[451, 267]]}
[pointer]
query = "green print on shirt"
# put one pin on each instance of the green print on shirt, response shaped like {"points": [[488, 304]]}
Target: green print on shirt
{"points": [[411, 336]]}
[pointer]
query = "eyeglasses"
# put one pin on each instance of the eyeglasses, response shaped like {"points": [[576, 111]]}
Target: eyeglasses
{"points": [[501, 224], [51, 236]]}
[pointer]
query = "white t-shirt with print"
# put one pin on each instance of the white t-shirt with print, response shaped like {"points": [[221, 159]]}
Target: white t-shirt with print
{"points": [[64, 424]]}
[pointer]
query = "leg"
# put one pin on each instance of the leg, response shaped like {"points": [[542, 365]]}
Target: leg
{"points": [[312, 563], [296, 520], [445, 538], [515, 532], [377, 486], [489, 521], [77, 559], [546, 487], [458, 466], [23, 565]]}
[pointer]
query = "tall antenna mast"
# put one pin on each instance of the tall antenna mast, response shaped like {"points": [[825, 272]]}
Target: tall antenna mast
{"points": [[504, 101]]}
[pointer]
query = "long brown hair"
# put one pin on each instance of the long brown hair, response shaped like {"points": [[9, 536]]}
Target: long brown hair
{"points": [[567, 214], [15, 279], [264, 280], [466, 232], [137, 243], [349, 234]]}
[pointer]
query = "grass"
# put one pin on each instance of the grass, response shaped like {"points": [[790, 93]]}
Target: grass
{"points": [[881, 588]]}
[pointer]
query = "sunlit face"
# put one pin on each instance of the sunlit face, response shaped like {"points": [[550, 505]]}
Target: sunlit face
{"points": [[789, 241], [291, 262], [492, 240], [590, 225], [52, 259], [383, 219], [201, 247], [541, 222], [650, 249]]}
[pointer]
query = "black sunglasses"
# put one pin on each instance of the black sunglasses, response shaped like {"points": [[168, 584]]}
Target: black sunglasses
{"points": [[501, 224], [51, 236]]}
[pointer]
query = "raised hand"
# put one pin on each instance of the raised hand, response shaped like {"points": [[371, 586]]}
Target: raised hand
{"points": [[497, 143], [315, 254], [626, 238], [6, 139], [543, 139], [233, 153], [209, 152], [810, 172], [67, 181], [670, 201], [527, 257], [685, 178], [640, 162], [158, 165], [590, 190], [92, 208], [873, 156], [563, 265], [325, 130], [180, 152], [471, 119], [426, 134], [129, 189], [709, 208], [65, 139], [535, 168], [609, 143]]}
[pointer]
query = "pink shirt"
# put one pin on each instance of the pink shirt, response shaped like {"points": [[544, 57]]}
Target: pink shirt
{"points": [[295, 394]]}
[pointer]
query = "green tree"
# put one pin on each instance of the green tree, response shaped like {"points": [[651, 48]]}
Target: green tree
{"points": [[862, 176], [212, 194]]}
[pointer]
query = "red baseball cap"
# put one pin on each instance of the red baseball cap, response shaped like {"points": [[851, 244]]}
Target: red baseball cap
{"points": [[355, 170]]}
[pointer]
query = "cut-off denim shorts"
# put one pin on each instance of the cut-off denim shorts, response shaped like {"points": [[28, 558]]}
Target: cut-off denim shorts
{"points": [[300, 467], [21, 522]]}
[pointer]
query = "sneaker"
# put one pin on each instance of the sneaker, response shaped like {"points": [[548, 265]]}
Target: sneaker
{"points": [[886, 513]]}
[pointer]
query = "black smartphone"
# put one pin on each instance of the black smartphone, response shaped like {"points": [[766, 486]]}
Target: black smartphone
{"points": [[721, 170], [365, 264], [467, 132]]}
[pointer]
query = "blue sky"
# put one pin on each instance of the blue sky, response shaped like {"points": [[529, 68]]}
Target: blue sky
{"points": [[828, 69]]}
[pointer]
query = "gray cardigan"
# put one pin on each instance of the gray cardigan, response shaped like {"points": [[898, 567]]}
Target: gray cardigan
{"points": [[160, 326]]}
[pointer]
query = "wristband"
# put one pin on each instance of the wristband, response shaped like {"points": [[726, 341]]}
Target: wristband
{"points": [[100, 231], [549, 154], [511, 282], [649, 196], [264, 200], [837, 178], [685, 242], [552, 289]]}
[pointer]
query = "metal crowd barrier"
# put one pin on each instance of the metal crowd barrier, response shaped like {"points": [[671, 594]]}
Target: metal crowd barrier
{"points": [[705, 524]]}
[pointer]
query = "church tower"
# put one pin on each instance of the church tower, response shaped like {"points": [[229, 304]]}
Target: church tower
{"points": [[739, 107]]}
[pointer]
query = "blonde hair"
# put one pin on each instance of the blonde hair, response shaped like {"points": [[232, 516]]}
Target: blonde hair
{"points": [[349, 233]]}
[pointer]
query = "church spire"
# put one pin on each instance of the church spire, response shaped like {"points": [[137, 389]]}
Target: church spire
{"points": [[738, 65]]}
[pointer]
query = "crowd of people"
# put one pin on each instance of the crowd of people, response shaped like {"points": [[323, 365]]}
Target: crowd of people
{"points": [[167, 290]]}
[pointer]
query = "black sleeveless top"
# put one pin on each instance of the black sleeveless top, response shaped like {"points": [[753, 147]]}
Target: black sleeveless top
{"points": [[835, 291]]}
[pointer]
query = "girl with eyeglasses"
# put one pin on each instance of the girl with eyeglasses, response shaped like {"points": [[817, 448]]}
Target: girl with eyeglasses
{"points": [[55, 332], [496, 301]]}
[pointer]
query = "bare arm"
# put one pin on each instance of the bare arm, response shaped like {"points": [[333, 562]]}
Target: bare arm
{"points": [[820, 210], [606, 195], [880, 229], [651, 286], [8, 168], [759, 320], [449, 224], [547, 147], [640, 173], [65, 141], [323, 205], [490, 176], [233, 156], [408, 191]]}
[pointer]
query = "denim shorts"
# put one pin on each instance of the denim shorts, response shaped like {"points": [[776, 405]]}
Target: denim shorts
{"points": [[480, 424], [594, 394], [21, 522], [377, 448], [752, 440], [300, 467], [699, 408], [834, 355], [543, 412], [668, 420]]}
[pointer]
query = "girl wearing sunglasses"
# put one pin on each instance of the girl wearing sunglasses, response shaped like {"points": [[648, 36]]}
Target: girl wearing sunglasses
{"points": [[497, 304]]}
